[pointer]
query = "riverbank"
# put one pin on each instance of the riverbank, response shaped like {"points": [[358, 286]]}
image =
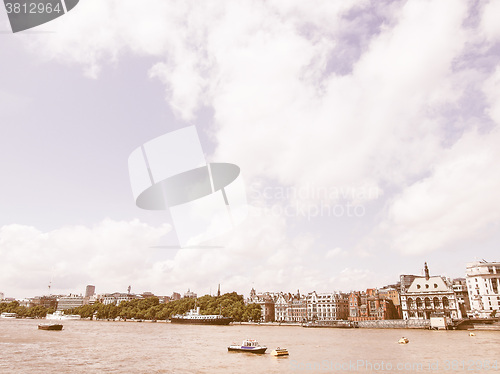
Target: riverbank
{"points": [[490, 325]]}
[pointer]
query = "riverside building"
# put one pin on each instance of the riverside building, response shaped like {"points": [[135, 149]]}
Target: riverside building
{"points": [[290, 308], [266, 302], [70, 302], [327, 306], [429, 296], [374, 304], [483, 286]]}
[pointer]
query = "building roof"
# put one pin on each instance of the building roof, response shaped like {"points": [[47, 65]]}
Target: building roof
{"points": [[423, 285]]}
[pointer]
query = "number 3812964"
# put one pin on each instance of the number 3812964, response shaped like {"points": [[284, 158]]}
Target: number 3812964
{"points": [[33, 8]]}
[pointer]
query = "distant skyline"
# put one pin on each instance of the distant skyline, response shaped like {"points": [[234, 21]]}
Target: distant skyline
{"points": [[367, 135]]}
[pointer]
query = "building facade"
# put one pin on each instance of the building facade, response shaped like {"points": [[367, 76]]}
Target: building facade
{"points": [[460, 288], [327, 306], [89, 291], [290, 308], [116, 298], [429, 296], [266, 301], [45, 301], [70, 302], [190, 295], [483, 286], [374, 304]]}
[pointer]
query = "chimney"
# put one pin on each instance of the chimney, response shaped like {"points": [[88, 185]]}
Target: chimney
{"points": [[426, 271]]}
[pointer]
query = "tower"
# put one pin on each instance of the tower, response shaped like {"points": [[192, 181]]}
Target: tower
{"points": [[426, 271], [218, 291], [89, 290]]}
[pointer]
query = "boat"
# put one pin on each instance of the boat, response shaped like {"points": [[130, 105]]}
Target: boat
{"points": [[248, 345], [50, 326], [403, 340], [59, 315], [8, 315], [279, 352], [195, 318]]}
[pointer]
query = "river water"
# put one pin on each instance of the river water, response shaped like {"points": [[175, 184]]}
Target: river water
{"points": [[131, 347]]}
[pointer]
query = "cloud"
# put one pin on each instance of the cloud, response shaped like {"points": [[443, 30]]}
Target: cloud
{"points": [[350, 279], [458, 201], [111, 255], [283, 111], [489, 24], [399, 98], [336, 252]]}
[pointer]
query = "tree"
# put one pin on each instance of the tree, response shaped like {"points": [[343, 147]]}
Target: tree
{"points": [[253, 312]]}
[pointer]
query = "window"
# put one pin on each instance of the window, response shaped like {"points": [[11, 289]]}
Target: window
{"points": [[426, 285], [446, 303], [436, 302], [435, 285], [418, 286]]}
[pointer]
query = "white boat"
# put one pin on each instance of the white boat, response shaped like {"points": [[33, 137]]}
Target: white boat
{"points": [[194, 317], [59, 315], [248, 345], [8, 315]]}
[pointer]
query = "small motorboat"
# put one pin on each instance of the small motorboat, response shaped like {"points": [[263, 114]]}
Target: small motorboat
{"points": [[280, 352], [50, 326], [248, 345], [403, 340], [471, 334]]}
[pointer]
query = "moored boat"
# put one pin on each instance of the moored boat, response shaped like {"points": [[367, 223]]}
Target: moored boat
{"points": [[248, 345], [280, 352], [59, 315], [8, 315], [50, 326], [194, 317]]}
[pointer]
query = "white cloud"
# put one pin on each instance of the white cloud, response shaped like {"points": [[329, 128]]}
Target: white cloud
{"points": [[458, 201], [323, 96], [350, 279], [257, 253], [335, 252], [491, 89], [279, 112], [112, 253], [489, 21], [363, 129]]}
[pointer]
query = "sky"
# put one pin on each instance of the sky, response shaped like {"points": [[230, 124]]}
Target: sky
{"points": [[367, 134]]}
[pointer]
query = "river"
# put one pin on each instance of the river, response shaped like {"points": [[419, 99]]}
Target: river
{"points": [[131, 347]]}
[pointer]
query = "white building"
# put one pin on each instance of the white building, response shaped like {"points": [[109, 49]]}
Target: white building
{"points": [[117, 297], [290, 308], [70, 302], [483, 285], [327, 306], [190, 295], [429, 296]]}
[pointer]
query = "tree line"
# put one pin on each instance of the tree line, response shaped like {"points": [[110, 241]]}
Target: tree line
{"points": [[229, 305], [37, 311]]}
